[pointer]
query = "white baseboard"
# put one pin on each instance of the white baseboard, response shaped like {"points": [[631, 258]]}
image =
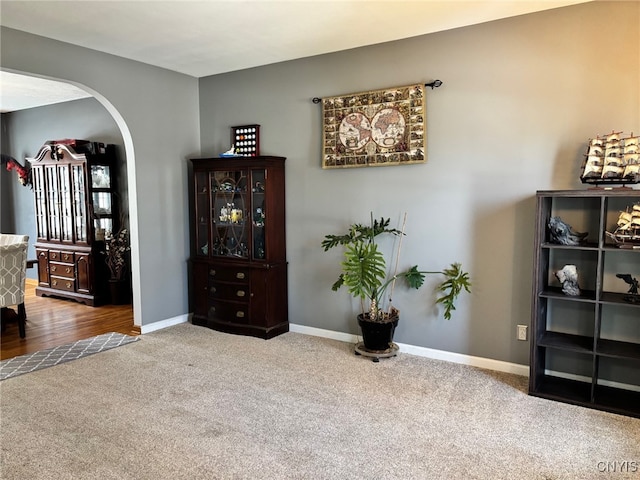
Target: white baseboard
{"points": [[320, 332], [480, 362], [169, 322]]}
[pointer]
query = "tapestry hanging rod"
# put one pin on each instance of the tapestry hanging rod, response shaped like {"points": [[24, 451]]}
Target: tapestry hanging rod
{"points": [[434, 84]]}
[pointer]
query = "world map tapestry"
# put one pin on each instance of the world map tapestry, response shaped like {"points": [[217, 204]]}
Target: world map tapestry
{"points": [[377, 128]]}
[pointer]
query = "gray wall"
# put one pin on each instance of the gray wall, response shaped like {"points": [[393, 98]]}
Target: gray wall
{"points": [[521, 96], [157, 112], [28, 130]]}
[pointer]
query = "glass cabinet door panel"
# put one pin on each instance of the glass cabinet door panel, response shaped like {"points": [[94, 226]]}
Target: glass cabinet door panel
{"points": [[53, 202], [102, 203], [65, 203], [40, 203], [100, 176], [259, 215], [202, 213], [103, 228], [229, 204], [79, 203]]}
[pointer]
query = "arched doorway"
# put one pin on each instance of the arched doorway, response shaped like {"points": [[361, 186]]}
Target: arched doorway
{"points": [[129, 162]]}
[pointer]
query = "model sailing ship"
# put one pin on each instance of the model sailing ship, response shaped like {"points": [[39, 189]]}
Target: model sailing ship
{"points": [[627, 232], [612, 159]]}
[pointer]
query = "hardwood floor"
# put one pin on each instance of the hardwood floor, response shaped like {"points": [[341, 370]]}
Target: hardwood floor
{"points": [[52, 322]]}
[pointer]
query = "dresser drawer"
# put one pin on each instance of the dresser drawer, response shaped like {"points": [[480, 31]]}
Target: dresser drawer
{"points": [[62, 270], [57, 256], [229, 274], [229, 291], [229, 312], [66, 284]]}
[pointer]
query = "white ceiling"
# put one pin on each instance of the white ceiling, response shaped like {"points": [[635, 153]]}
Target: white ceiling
{"points": [[201, 38], [18, 92]]}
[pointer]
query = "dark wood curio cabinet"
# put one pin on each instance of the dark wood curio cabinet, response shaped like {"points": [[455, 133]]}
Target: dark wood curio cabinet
{"points": [[238, 267], [585, 349], [75, 207]]}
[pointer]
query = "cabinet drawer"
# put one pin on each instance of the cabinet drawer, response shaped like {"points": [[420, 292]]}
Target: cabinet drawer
{"points": [[226, 291], [229, 312], [229, 274], [57, 256], [66, 284], [62, 270]]}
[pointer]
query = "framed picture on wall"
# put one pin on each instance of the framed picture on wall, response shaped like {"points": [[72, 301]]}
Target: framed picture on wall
{"points": [[376, 128]]}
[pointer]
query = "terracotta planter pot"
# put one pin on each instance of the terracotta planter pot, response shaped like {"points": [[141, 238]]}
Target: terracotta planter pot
{"points": [[377, 336]]}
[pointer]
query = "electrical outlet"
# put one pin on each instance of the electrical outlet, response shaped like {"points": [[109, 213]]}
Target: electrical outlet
{"points": [[522, 332]]}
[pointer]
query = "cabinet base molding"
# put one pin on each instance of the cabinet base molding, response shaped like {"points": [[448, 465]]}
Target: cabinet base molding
{"points": [[250, 330], [89, 300]]}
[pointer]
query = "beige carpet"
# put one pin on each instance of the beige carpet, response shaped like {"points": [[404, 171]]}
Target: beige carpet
{"points": [[191, 403]]}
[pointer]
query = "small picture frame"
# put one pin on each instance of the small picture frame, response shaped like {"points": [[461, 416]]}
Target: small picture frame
{"points": [[246, 140]]}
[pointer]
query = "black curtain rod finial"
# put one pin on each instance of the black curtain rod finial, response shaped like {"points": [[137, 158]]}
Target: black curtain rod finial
{"points": [[316, 100]]}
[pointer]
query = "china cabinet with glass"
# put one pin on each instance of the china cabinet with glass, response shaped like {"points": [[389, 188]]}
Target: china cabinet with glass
{"points": [[238, 266], [75, 208]]}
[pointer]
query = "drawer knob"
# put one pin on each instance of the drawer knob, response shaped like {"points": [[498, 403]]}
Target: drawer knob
{"points": [[68, 270], [212, 272], [54, 282], [240, 314], [213, 289], [240, 275], [240, 293], [68, 284], [66, 256], [53, 268]]}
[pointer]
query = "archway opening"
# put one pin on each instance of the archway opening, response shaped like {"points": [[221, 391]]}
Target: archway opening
{"points": [[129, 161]]}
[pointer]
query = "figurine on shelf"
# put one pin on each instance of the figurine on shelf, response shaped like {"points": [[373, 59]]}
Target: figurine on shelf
{"points": [[236, 215], [224, 215], [568, 277], [562, 233], [258, 217], [230, 153], [633, 296], [226, 212]]}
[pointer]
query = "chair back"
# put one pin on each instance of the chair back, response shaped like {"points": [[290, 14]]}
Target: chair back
{"points": [[13, 268]]}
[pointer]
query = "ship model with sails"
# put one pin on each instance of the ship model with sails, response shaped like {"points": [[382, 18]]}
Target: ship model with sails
{"points": [[627, 232], [613, 159]]}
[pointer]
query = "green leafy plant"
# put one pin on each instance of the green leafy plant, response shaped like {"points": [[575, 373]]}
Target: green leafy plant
{"points": [[364, 271]]}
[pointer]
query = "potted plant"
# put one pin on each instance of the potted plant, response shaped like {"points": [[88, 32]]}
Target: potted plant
{"points": [[116, 247], [365, 275]]}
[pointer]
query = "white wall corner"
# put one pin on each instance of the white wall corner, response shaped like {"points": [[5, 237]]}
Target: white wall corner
{"points": [[169, 322]]}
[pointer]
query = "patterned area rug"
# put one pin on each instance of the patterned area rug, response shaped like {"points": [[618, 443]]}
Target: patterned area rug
{"points": [[30, 362]]}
